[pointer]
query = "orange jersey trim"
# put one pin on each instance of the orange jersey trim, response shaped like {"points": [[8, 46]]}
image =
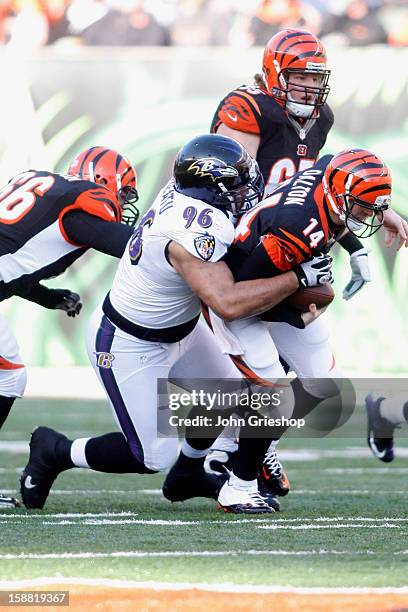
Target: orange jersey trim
{"points": [[5, 364], [319, 199], [98, 202], [297, 241], [237, 114], [284, 255]]}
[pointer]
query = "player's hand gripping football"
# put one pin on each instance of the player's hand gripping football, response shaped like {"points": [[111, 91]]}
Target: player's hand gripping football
{"points": [[315, 271], [69, 301], [360, 273]]}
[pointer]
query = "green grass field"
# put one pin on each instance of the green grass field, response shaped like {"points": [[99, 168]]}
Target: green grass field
{"points": [[345, 524]]}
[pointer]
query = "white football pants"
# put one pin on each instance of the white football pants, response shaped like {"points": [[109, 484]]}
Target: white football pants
{"points": [[129, 368], [13, 376]]}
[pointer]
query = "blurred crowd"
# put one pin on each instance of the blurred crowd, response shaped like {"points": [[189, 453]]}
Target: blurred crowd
{"points": [[31, 24]]}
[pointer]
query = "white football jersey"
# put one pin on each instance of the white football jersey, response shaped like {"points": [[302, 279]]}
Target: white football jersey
{"points": [[146, 289]]}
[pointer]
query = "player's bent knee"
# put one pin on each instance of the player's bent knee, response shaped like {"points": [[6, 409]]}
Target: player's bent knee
{"points": [[162, 456]]}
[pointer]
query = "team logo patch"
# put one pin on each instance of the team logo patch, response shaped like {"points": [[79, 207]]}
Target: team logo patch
{"points": [[104, 360], [205, 246], [212, 167], [302, 150]]}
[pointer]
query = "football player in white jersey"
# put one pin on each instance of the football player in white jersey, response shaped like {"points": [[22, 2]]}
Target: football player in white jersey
{"points": [[150, 318]]}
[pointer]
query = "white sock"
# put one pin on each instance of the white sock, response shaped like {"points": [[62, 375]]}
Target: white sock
{"points": [[244, 485], [78, 457], [392, 409], [191, 452]]}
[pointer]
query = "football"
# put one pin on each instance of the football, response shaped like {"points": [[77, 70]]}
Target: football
{"points": [[321, 295]]}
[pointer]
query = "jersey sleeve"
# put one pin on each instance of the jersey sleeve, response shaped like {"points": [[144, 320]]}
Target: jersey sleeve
{"points": [[97, 202], [239, 111], [210, 245], [288, 244]]}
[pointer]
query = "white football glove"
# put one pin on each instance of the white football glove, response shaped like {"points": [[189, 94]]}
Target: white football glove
{"points": [[315, 271], [360, 273]]}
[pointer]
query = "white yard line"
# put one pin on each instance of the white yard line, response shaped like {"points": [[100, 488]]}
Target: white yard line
{"points": [[181, 553], [80, 516], [350, 452], [216, 587], [91, 493], [333, 526]]}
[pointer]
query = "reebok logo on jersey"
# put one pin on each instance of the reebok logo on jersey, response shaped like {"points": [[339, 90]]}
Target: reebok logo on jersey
{"points": [[212, 167], [110, 211], [205, 246]]}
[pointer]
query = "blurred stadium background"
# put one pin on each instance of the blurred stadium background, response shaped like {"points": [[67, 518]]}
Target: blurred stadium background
{"points": [[143, 77]]}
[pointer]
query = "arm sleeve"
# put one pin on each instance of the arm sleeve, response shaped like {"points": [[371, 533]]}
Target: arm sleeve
{"points": [[92, 232], [351, 243], [42, 295]]}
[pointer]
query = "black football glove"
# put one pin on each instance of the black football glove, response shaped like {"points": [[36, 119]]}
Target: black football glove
{"points": [[315, 271], [68, 301]]}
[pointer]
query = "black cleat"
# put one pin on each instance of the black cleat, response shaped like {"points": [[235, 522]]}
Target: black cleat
{"points": [[272, 477], [7, 502], [380, 431], [179, 486], [270, 499], [42, 468]]}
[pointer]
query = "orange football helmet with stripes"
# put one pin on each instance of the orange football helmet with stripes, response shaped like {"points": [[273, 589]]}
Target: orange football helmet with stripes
{"points": [[300, 52], [113, 170], [357, 186]]}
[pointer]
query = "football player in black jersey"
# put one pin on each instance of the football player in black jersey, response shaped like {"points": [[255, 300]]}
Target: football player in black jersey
{"points": [[283, 122], [296, 222], [47, 221]]}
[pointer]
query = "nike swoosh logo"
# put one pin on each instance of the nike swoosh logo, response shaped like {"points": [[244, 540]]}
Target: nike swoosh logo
{"points": [[233, 117], [289, 258], [377, 453], [110, 211], [28, 483]]}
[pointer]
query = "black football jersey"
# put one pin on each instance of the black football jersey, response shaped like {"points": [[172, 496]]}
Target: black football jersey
{"points": [[33, 243], [287, 228], [283, 149]]}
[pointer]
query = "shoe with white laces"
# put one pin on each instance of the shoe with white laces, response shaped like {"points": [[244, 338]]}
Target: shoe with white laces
{"points": [[242, 501], [380, 431], [7, 502], [272, 475]]}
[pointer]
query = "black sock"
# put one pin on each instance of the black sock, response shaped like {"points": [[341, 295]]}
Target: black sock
{"points": [[405, 411], [251, 452], [111, 453], [63, 453], [5, 407], [187, 464]]}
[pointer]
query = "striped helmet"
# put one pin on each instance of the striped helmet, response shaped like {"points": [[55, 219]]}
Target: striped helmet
{"points": [[108, 167], [296, 51], [355, 181]]}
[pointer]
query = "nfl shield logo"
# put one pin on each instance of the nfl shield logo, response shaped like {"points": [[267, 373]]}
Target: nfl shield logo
{"points": [[205, 246]]}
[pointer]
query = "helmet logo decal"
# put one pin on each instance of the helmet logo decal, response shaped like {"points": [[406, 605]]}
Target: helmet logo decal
{"points": [[205, 246], [383, 200], [212, 167]]}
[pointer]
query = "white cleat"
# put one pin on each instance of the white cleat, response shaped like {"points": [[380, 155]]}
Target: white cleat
{"points": [[242, 501]]}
